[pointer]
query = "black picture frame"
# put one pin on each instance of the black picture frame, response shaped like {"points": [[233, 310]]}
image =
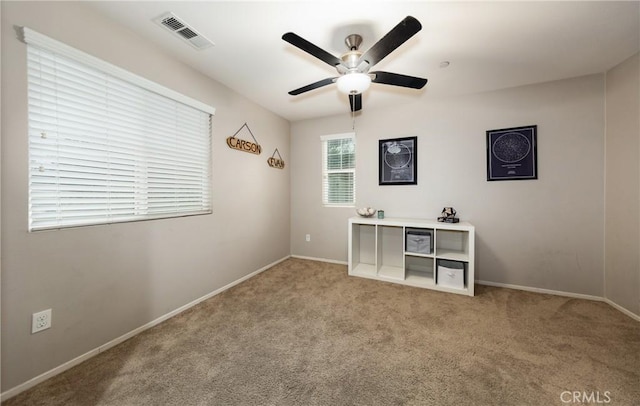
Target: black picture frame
{"points": [[398, 161], [512, 153]]}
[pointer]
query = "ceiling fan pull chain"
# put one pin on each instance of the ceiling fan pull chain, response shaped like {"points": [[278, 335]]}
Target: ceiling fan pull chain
{"points": [[353, 117]]}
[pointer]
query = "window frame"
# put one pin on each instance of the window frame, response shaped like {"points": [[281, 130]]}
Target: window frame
{"points": [[40, 43], [326, 171]]}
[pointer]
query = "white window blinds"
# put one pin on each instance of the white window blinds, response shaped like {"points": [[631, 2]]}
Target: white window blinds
{"points": [[103, 149], [338, 169]]}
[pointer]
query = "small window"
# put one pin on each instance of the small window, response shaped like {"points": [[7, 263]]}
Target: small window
{"points": [[338, 170], [103, 149]]}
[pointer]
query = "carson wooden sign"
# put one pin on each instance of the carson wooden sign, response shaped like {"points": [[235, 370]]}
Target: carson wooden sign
{"points": [[242, 145]]}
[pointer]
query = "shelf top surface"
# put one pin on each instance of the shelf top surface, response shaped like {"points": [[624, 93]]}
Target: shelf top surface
{"points": [[411, 222]]}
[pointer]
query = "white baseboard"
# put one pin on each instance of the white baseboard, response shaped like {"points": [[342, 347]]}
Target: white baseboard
{"points": [[566, 294], [331, 261], [70, 364], [622, 309], [540, 290]]}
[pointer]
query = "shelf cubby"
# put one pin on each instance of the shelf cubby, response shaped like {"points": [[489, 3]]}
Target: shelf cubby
{"points": [[419, 241], [363, 252], [419, 270], [389, 249], [452, 244]]}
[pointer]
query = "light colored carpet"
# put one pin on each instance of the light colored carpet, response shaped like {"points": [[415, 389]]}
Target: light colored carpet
{"points": [[304, 333]]}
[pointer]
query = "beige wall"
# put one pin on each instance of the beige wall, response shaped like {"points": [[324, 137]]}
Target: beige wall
{"points": [[545, 233], [622, 197], [105, 281]]}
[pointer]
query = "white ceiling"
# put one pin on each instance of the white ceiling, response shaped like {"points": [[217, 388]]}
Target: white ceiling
{"points": [[491, 45]]}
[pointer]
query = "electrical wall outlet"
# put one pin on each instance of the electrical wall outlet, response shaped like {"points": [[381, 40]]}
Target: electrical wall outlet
{"points": [[307, 237], [40, 321]]}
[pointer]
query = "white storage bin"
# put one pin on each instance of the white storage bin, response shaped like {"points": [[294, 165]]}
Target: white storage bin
{"points": [[450, 274], [419, 241]]}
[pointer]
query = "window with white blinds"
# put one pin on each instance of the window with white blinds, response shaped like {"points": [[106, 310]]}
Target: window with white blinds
{"points": [[104, 149], [338, 169]]}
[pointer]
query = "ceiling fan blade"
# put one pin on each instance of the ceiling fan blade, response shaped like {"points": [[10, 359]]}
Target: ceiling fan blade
{"points": [[355, 100], [396, 79], [311, 49], [312, 86], [406, 29]]}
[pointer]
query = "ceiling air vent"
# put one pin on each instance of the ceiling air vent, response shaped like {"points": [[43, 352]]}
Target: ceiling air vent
{"points": [[183, 30]]}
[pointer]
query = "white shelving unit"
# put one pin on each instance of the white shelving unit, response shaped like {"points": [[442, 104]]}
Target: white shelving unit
{"points": [[377, 250]]}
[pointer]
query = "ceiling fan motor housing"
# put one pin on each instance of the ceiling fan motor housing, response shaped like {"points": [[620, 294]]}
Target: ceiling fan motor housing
{"points": [[350, 59], [350, 63]]}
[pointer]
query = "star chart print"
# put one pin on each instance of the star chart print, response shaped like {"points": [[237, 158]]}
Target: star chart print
{"points": [[511, 153], [397, 161]]}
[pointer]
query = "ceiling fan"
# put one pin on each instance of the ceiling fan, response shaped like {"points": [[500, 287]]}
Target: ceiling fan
{"points": [[353, 66]]}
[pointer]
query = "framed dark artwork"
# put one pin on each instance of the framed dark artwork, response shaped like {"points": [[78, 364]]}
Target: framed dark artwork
{"points": [[512, 153], [398, 161]]}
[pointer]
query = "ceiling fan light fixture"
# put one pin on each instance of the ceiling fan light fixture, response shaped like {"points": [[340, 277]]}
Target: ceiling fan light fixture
{"points": [[353, 83]]}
